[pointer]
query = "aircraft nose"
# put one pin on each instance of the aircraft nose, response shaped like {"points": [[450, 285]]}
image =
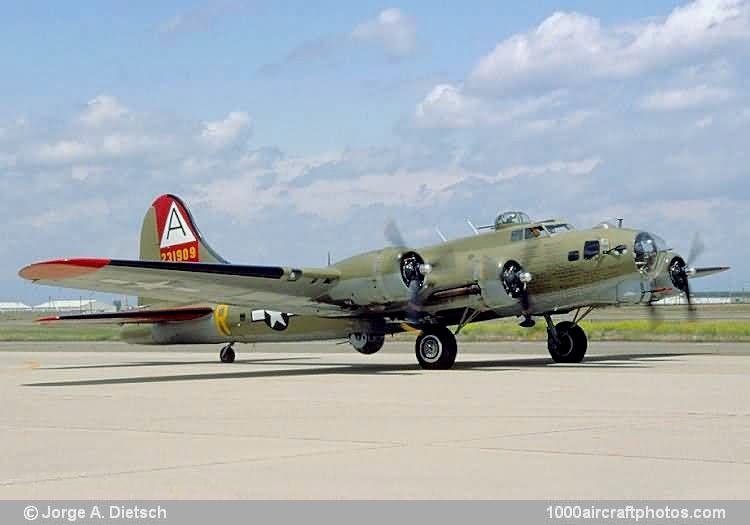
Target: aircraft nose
{"points": [[646, 249]]}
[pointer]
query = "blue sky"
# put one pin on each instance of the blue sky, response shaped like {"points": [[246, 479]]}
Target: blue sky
{"points": [[296, 128]]}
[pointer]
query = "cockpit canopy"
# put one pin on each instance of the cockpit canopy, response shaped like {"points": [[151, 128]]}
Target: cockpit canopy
{"points": [[524, 228], [511, 218]]}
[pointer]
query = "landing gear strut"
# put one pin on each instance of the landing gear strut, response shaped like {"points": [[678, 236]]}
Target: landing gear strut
{"points": [[566, 341], [436, 348], [226, 354]]}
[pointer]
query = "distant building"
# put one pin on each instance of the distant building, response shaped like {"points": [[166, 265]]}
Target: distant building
{"points": [[75, 305], [709, 298], [14, 307]]}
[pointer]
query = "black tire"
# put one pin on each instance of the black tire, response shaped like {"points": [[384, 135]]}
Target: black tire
{"points": [[227, 354], [374, 344], [571, 345], [436, 348]]}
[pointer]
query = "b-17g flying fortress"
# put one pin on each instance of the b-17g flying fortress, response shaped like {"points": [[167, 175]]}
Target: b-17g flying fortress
{"points": [[520, 267], [442, 250]]}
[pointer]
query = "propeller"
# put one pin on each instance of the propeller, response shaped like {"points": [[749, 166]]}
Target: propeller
{"points": [[680, 272], [515, 281], [413, 271]]}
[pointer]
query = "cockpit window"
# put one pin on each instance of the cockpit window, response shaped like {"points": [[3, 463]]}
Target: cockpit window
{"points": [[535, 232], [558, 228]]}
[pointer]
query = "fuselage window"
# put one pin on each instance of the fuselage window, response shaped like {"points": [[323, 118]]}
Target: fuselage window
{"points": [[516, 235], [590, 249], [574, 255]]}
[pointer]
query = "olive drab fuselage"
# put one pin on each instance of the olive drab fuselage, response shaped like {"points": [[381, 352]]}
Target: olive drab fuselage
{"points": [[187, 293], [569, 269], [574, 268]]}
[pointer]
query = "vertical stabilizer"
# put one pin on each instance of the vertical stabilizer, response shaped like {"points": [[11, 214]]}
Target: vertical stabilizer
{"points": [[169, 233]]}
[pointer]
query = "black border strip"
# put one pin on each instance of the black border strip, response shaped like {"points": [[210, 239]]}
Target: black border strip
{"points": [[263, 272]]}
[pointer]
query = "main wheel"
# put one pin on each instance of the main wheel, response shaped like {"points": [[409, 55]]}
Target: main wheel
{"points": [[227, 354], [436, 348], [571, 343]]}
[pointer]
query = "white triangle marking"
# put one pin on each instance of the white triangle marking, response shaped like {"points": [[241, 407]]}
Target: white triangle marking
{"points": [[176, 230]]}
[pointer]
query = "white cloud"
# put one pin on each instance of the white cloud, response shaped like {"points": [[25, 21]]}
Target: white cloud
{"points": [[561, 43], [334, 199], [424, 188], [563, 122], [105, 147], [204, 15], [58, 215], [64, 152], [448, 106], [173, 24], [554, 169], [221, 133], [572, 47], [391, 29], [85, 172], [677, 99], [103, 109]]}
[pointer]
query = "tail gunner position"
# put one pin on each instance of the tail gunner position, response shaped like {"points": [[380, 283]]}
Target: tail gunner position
{"points": [[516, 267]]}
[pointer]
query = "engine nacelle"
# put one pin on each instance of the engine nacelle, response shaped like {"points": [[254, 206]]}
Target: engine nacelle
{"points": [[502, 284], [385, 277]]}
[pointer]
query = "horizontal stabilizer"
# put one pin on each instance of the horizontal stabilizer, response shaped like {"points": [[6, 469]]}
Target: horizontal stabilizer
{"points": [[140, 316]]}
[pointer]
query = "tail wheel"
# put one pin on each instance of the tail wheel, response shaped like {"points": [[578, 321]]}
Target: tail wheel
{"points": [[227, 354], [570, 345], [436, 348]]}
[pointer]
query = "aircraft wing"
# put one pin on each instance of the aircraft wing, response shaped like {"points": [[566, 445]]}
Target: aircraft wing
{"points": [[280, 288]]}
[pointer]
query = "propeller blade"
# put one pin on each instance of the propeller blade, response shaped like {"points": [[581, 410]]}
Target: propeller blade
{"points": [[696, 249], [414, 305], [525, 302], [691, 307], [654, 314], [393, 234]]}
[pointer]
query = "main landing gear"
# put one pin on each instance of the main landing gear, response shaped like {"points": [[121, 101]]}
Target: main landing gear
{"points": [[226, 354], [566, 341], [436, 348]]}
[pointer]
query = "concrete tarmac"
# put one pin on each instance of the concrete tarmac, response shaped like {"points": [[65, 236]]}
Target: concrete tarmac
{"points": [[306, 421]]}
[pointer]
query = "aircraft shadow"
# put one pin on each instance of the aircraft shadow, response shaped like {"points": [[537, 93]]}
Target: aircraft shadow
{"points": [[171, 363], [315, 369]]}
